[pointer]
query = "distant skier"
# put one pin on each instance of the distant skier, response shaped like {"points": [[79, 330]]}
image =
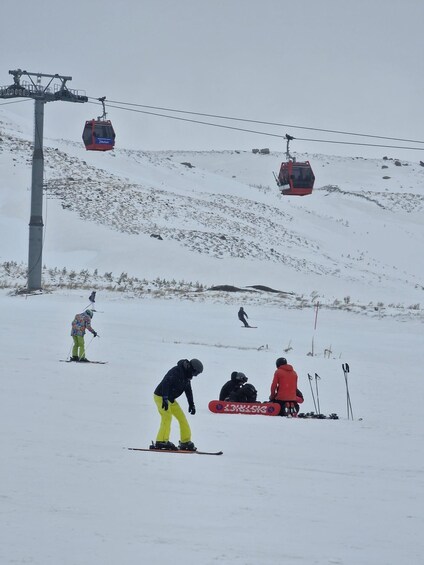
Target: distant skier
{"points": [[234, 384], [176, 381], [81, 323], [284, 389], [242, 317]]}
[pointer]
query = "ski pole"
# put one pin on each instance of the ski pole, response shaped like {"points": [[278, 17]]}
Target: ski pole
{"points": [[312, 391], [69, 352], [346, 370], [89, 343], [347, 390], [316, 386]]}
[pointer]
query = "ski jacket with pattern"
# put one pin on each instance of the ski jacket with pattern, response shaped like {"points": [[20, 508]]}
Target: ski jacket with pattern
{"points": [[284, 384], [176, 381], [81, 323]]}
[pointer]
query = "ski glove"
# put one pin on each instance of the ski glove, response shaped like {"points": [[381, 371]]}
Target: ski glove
{"points": [[164, 402], [95, 334], [192, 409]]}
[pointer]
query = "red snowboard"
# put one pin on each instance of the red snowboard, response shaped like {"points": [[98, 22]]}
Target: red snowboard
{"points": [[259, 408]]}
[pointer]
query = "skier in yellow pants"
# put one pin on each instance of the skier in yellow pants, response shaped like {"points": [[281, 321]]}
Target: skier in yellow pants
{"points": [[176, 381], [81, 323]]}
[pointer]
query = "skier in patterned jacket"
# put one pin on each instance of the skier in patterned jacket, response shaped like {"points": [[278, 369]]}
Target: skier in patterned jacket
{"points": [[80, 323], [176, 381]]}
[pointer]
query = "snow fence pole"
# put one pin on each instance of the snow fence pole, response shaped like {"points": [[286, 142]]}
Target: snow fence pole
{"points": [[312, 391]]}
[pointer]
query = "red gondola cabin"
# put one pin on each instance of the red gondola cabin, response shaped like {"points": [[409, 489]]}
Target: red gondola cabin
{"points": [[298, 177], [98, 135]]}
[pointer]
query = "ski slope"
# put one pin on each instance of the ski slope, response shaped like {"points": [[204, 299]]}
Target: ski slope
{"points": [[285, 491]]}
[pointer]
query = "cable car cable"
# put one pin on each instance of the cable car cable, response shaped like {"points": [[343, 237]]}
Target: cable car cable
{"points": [[276, 124], [262, 132], [15, 102]]}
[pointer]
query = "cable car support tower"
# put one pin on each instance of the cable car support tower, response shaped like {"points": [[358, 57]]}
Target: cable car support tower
{"points": [[55, 90]]}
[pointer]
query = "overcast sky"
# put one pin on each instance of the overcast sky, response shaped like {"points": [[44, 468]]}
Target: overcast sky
{"points": [[354, 66]]}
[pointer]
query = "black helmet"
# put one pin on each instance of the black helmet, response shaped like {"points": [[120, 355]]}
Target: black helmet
{"points": [[281, 361], [250, 392], [241, 378], [197, 367], [89, 313]]}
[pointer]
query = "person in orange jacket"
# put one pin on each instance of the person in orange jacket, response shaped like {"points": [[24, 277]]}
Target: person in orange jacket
{"points": [[284, 389]]}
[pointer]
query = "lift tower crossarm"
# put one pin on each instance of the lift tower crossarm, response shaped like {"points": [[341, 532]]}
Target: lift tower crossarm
{"points": [[34, 89]]}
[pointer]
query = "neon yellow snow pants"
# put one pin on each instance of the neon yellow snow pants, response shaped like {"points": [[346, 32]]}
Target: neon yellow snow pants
{"points": [[79, 348], [174, 409]]}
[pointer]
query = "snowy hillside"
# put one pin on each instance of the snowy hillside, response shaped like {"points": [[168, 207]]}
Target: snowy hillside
{"points": [[217, 218], [162, 237]]}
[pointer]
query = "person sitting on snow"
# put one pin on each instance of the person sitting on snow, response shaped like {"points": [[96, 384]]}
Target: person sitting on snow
{"points": [[284, 389], [247, 393], [235, 383]]}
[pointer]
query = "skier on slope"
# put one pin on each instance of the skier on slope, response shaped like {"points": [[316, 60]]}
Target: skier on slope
{"points": [[284, 389], [242, 317], [235, 383], [80, 323], [176, 381]]}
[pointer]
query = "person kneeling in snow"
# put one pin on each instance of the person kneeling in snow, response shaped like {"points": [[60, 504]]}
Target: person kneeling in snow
{"points": [[284, 389], [80, 323], [247, 393], [176, 381], [234, 384]]}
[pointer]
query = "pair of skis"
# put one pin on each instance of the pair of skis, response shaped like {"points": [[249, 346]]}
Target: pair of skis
{"points": [[83, 362], [175, 451]]}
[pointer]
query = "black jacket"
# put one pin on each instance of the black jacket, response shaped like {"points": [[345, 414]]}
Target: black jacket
{"points": [[176, 381], [228, 388], [247, 393], [242, 315]]}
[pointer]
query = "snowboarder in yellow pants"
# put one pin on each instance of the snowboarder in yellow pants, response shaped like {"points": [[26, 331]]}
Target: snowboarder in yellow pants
{"points": [[176, 381], [174, 409]]}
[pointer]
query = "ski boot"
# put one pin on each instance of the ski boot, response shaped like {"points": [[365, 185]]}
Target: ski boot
{"points": [[74, 358], [83, 360], [163, 445], [187, 446]]}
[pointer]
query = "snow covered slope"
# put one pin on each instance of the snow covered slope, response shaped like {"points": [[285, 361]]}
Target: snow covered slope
{"points": [[218, 218], [152, 232]]}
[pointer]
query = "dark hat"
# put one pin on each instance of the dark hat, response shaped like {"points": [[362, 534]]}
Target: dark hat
{"points": [[281, 361]]}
